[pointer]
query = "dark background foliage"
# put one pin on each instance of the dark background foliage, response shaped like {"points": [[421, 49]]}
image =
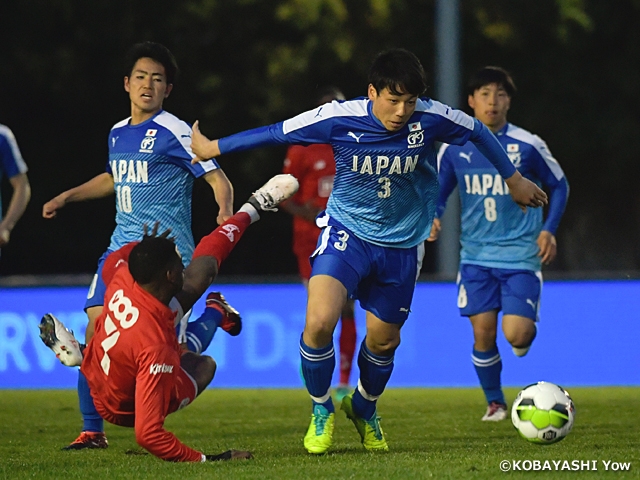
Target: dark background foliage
{"points": [[245, 63]]}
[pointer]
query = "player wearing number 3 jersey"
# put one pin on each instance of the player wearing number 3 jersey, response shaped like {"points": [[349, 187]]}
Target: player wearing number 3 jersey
{"points": [[378, 214], [502, 249]]}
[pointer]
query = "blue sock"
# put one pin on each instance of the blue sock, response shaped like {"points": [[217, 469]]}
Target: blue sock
{"points": [[200, 332], [317, 369], [489, 367], [375, 372], [92, 421]]}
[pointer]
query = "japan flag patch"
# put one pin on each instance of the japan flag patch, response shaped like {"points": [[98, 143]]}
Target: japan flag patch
{"points": [[513, 147], [414, 127], [151, 132]]}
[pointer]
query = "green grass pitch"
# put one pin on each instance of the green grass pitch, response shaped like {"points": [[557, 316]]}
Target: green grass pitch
{"points": [[432, 433]]}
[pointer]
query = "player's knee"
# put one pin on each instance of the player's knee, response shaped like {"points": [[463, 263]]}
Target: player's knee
{"points": [[521, 339], [208, 368], [319, 329], [384, 347]]}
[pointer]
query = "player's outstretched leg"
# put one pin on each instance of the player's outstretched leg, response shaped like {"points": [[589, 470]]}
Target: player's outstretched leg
{"points": [[488, 367], [61, 340], [317, 369], [360, 406], [276, 190], [217, 314], [370, 431]]}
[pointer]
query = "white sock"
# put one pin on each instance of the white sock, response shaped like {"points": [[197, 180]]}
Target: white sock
{"points": [[251, 210]]}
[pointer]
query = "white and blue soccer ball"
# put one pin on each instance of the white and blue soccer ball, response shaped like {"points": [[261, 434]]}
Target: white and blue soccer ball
{"points": [[543, 413]]}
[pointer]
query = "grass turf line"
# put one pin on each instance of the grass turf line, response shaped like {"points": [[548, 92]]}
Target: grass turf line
{"points": [[432, 433]]}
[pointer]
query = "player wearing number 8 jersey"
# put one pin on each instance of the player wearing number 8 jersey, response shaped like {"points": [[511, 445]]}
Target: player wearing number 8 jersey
{"points": [[502, 249], [378, 214], [151, 174]]}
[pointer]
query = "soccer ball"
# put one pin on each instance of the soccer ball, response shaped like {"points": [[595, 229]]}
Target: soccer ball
{"points": [[543, 413]]}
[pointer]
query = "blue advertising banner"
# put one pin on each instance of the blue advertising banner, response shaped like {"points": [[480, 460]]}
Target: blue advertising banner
{"points": [[587, 336]]}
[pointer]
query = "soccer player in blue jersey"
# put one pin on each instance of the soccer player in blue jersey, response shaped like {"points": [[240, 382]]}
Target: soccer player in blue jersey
{"points": [[502, 249], [378, 215], [151, 174], [15, 169]]}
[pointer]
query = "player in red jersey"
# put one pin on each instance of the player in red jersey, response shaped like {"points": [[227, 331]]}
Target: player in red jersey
{"points": [[135, 367], [315, 167]]}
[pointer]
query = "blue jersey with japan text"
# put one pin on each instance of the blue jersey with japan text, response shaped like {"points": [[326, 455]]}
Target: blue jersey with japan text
{"points": [[153, 179], [386, 183], [11, 162], [494, 230]]}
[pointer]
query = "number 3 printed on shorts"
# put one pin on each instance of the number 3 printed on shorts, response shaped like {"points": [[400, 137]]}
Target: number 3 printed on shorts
{"points": [[341, 244], [126, 314]]}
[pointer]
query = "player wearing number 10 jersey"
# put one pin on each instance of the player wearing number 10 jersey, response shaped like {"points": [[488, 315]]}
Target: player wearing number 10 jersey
{"points": [[502, 249], [378, 214], [150, 172]]}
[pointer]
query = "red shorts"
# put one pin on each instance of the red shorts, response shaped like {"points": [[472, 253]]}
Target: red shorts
{"points": [[184, 392]]}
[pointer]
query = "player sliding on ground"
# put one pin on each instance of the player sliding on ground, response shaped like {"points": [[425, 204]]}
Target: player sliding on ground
{"points": [[378, 215], [137, 371]]}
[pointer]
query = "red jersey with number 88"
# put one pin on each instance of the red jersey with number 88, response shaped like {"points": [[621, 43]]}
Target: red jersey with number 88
{"points": [[132, 365]]}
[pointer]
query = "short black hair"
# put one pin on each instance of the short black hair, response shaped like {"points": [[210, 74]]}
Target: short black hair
{"points": [[400, 71], [328, 93], [156, 52], [151, 259], [487, 76]]}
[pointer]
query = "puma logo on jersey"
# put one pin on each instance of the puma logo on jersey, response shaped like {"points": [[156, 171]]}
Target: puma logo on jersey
{"points": [[114, 140], [402, 309], [157, 368], [466, 157], [357, 137], [532, 303], [318, 114]]}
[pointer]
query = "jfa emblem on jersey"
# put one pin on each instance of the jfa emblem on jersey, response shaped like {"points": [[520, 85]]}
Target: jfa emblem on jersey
{"points": [[415, 139], [146, 146], [515, 159], [414, 127]]}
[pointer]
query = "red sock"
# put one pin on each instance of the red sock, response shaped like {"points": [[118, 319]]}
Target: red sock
{"points": [[222, 240], [347, 348]]}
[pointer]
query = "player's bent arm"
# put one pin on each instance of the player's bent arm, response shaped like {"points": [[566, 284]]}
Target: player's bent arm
{"points": [[18, 204], [223, 193], [155, 380], [98, 187]]}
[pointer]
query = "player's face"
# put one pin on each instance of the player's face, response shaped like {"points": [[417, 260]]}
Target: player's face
{"points": [[147, 86], [490, 105], [392, 110]]}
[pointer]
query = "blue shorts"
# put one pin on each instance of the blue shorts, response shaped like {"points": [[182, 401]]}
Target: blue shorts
{"points": [[381, 278], [515, 292], [97, 289]]}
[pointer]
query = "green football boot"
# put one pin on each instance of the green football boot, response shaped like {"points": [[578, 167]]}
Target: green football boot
{"points": [[319, 437], [370, 430]]}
